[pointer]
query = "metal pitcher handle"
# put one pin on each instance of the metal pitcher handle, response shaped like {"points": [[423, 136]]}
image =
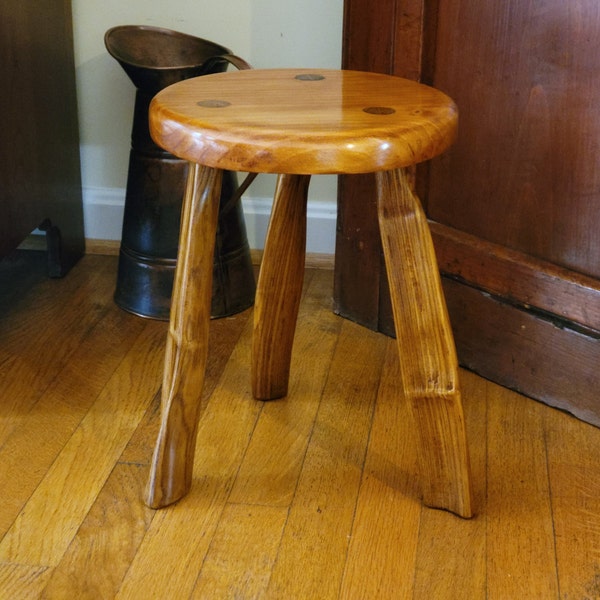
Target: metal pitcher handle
{"points": [[236, 61]]}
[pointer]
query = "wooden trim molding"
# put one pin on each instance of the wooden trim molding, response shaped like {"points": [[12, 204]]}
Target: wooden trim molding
{"points": [[524, 323], [518, 278], [522, 351]]}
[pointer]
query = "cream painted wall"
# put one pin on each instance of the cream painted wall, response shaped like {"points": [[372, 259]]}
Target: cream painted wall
{"points": [[267, 33]]}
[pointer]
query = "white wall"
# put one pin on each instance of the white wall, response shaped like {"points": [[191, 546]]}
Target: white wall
{"points": [[267, 33]]}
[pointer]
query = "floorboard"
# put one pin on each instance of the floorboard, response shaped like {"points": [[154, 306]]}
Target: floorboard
{"points": [[312, 496]]}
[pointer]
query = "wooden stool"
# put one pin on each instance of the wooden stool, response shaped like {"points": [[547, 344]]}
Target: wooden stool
{"points": [[299, 123]]}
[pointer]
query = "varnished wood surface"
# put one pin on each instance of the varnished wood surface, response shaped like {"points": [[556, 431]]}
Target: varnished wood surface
{"points": [[310, 498], [524, 172], [428, 362], [301, 121], [279, 289], [516, 196], [520, 278], [187, 343]]}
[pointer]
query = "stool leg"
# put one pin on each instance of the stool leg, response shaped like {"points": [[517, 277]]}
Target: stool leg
{"points": [[187, 341], [429, 365], [279, 289]]}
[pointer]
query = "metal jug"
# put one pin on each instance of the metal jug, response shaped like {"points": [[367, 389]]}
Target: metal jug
{"points": [[155, 58]]}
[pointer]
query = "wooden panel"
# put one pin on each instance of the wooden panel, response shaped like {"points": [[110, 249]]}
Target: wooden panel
{"points": [[524, 170], [514, 205], [39, 146], [369, 35]]}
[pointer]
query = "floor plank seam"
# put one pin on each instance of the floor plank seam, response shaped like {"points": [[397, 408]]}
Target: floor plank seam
{"points": [[551, 503]]}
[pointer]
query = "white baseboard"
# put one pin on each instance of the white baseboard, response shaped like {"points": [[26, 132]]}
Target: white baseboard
{"points": [[103, 219], [103, 213]]}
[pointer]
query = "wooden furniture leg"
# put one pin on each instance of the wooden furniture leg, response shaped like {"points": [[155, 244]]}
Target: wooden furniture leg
{"points": [[279, 289], [428, 360], [187, 341]]}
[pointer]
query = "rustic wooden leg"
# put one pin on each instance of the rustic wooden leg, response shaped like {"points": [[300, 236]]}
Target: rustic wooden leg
{"points": [[427, 354], [279, 288], [187, 341]]}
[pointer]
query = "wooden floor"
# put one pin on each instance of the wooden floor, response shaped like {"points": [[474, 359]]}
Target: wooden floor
{"points": [[312, 497]]}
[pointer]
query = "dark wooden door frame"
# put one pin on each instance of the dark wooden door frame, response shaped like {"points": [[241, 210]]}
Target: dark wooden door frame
{"points": [[525, 323]]}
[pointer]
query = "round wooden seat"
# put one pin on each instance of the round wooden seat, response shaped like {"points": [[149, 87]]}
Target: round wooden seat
{"points": [[303, 121], [299, 123]]}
